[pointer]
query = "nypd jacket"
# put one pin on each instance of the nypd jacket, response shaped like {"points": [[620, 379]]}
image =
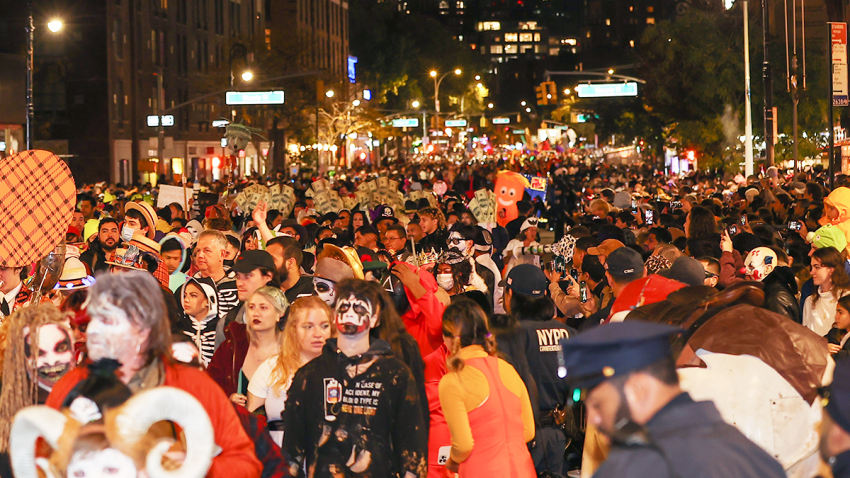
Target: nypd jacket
{"points": [[355, 416]]}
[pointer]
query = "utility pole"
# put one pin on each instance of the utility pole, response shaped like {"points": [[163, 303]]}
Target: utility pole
{"points": [[160, 132], [748, 101], [768, 86], [30, 65]]}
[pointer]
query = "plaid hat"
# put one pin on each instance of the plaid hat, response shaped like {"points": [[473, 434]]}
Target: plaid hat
{"points": [[526, 279], [828, 236], [624, 263], [251, 260]]}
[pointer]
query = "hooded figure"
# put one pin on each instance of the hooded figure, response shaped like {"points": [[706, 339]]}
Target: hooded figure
{"points": [[200, 314], [837, 210]]}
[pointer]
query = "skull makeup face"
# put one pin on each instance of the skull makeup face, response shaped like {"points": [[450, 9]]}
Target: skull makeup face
{"points": [[759, 263], [354, 316], [325, 289], [55, 354]]}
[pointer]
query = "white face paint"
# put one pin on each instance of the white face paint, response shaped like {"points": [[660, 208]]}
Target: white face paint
{"points": [[110, 334], [106, 463], [325, 289], [457, 241], [446, 281], [55, 354], [354, 316]]}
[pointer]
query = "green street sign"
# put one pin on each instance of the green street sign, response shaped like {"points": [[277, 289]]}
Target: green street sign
{"points": [[254, 97], [501, 121], [455, 123], [405, 122], [519, 131]]}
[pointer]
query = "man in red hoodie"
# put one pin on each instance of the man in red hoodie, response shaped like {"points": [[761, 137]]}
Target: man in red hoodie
{"points": [[419, 307]]}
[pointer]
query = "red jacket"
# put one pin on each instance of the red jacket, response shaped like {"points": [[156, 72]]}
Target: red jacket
{"points": [[237, 458], [226, 363], [730, 267], [438, 434], [424, 320]]}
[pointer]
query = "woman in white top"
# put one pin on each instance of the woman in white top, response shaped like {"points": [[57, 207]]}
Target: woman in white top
{"points": [[832, 283], [527, 238], [308, 326]]}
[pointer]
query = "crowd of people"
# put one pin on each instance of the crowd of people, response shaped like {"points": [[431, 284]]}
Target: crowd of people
{"points": [[421, 341]]}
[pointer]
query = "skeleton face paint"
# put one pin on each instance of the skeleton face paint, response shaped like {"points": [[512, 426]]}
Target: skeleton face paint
{"points": [[110, 334], [759, 263], [325, 289], [354, 316], [457, 241], [106, 463], [55, 354]]}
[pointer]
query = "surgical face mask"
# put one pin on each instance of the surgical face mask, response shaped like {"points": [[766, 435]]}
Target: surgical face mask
{"points": [[127, 233], [446, 281], [325, 290]]}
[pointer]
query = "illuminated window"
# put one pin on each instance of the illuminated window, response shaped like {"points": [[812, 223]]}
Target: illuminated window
{"points": [[526, 37], [496, 49], [525, 48], [444, 5], [608, 22], [537, 37], [460, 5], [650, 20], [631, 8], [511, 49], [632, 43], [650, 9], [511, 37], [485, 26], [553, 51], [588, 34], [528, 25]]}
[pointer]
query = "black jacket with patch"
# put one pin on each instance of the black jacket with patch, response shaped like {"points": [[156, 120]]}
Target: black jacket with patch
{"points": [[355, 416]]}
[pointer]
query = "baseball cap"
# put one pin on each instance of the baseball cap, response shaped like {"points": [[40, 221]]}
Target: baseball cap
{"points": [[614, 350], [530, 222], [625, 263], [250, 260], [798, 188], [605, 248], [686, 270], [526, 279]]}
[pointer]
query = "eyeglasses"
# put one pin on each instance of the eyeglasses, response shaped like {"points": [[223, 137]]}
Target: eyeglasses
{"points": [[455, 241]]}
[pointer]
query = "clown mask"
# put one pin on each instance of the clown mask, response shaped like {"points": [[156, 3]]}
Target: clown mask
{"points": [[55, 355], [760, 263], [354, 316]]}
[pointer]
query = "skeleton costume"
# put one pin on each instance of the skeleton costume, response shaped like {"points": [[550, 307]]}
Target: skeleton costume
{"points": [[201, 333]]}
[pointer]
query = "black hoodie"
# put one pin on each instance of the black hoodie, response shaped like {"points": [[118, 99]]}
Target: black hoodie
{"points": [[355, 423], [780, 290]]}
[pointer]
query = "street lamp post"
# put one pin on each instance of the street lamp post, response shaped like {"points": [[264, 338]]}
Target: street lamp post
{"points": [[437, 82], [54, 26]]}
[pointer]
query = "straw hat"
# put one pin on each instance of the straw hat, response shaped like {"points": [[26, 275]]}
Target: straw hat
{"points": [[75, 275], [147, 212]]}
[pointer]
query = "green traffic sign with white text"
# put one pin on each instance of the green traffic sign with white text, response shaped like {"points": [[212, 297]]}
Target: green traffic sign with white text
{"points": [[254, 97]]}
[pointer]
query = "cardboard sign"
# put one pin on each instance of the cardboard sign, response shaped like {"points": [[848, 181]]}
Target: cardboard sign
{"points": [[170, 194]]}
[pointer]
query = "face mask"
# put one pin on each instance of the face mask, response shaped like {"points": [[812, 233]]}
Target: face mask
{"points": [[55, 354], [325, 290], [353, 316], [446, 281], [395, 289], [127, 233]]}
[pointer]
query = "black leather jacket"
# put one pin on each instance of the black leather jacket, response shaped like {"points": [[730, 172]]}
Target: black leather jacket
{"points": [[780, 290]]}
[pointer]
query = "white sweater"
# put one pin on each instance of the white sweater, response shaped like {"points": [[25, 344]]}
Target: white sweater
{"points": [[820, 316]]}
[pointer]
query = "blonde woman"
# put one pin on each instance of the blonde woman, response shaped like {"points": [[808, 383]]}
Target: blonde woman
{"points": [[308, 326]]}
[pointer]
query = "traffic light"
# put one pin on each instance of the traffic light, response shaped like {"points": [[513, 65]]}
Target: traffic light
{"points": [[551, 92], [541, 94]]}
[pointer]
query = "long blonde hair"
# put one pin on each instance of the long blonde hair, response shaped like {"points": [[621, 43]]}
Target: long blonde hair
{"points": [[273, 296], [289, 358]]}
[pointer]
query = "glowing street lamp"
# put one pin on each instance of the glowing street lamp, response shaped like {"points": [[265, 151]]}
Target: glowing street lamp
{"points": [[437, 82], [356, 102], [415, 104], [54, 25], [329, 93], [490, 105], [247, 76]]}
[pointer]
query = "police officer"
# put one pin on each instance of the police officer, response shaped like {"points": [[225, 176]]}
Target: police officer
{"points": [[525, 298], [835, 427], [627, 376]]}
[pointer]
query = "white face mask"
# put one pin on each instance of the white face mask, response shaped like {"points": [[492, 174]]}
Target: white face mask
{"points": [[110, 334], [325, 290], [446, 281]]}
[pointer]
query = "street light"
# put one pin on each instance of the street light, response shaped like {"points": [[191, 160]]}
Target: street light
{"points": [[490, 105], [528, 110], [356, 102], [566, 91], [522, 103], [247, 76], [437, 82], [54, 25], [415, 104], [477, 77], [610, 71], [329, 93]]}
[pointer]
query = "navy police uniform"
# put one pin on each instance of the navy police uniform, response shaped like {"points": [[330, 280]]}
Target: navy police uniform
{"points": [[685, 439]]}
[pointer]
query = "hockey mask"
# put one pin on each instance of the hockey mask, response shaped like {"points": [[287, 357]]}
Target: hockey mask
{"points": [[760, 263], [55, 355], [395, 289], [354, 316]]}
